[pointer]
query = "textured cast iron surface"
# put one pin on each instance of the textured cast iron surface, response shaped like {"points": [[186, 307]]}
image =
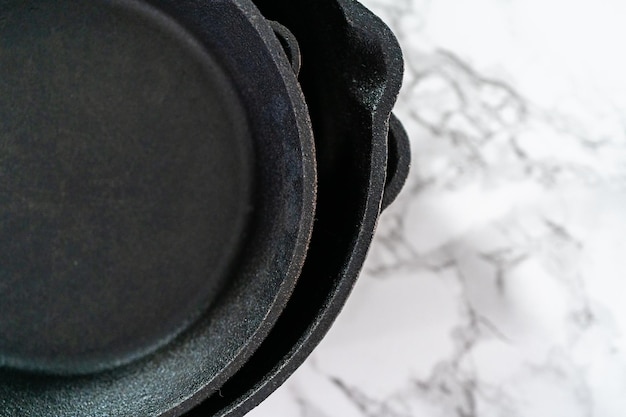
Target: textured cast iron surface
{"points": [[351, 74], [351, 70], [125, 183], [176, 377]]}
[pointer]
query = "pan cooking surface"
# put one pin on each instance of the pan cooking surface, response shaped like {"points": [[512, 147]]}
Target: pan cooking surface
{"points": [[124, 182]]}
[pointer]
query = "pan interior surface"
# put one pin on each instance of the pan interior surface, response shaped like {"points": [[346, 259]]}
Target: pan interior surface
{"points": [[172, 194], [125, 183]]}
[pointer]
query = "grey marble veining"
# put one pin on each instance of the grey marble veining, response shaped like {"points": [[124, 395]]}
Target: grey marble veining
{"points": [[495, 284]]}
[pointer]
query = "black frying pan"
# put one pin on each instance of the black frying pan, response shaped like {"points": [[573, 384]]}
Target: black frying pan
{"points": [[158, 194]]}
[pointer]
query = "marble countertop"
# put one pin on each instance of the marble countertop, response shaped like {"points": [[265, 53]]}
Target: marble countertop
{"points": [[495, 286]]}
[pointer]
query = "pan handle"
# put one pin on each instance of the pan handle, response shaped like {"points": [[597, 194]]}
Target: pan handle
{"points": [[398, 161], [290, 45]]}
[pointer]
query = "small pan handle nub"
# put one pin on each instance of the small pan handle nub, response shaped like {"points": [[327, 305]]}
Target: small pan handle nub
{"points": [[398, 161], [290, 45]]}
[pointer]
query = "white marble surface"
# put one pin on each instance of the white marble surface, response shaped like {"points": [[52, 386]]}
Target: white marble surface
{"points": [[495, 287]]}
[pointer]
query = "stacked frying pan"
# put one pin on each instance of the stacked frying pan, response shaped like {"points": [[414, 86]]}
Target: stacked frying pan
{"points": [[188, 190]]}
